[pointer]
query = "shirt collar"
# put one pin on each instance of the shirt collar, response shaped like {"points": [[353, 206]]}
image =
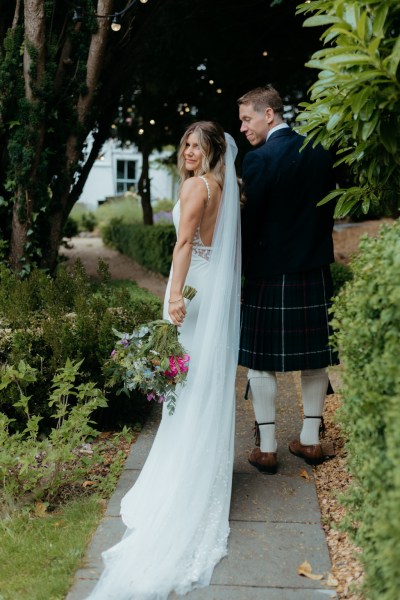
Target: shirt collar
{"points": [[280, 126]]}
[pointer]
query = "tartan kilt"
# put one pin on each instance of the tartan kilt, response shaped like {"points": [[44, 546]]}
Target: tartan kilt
{"points": [[285, 322]]}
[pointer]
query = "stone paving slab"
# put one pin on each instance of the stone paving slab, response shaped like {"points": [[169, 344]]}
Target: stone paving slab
{"points": [[255, 497], [127, 479], [110, 531], [268, 554], [215, 592], [82, 587]]}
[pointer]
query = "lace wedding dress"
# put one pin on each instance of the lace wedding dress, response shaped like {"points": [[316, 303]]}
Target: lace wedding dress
{"points": [[177, 512]]}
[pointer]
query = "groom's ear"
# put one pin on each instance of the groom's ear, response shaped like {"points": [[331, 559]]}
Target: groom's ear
{"points": [[269, 115]]}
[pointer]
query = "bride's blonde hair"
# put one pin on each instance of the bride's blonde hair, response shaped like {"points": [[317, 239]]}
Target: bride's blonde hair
{"points": [[213, 147]]}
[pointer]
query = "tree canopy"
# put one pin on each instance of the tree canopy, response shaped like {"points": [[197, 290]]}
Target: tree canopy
{"points": [[172, 62]]}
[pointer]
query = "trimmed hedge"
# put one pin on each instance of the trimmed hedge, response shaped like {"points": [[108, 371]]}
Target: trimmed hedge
{"points": [[150, 246], [367, 319]]}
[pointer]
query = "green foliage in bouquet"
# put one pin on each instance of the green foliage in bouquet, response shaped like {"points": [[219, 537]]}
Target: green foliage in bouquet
{"points": [[367, 321], [44, 321], [35, 467]]}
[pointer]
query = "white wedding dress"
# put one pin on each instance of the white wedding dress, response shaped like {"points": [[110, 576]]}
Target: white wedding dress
{"points": [[177, 512]]}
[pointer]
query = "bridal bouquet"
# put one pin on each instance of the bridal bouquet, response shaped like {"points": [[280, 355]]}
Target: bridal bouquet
{"points": [[151, 359]]}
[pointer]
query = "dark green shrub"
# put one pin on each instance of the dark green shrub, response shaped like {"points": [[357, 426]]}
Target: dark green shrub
{"points": [[367, 319], [70, 228], [87, 221], [44, 321], [163, 205], [340, 274], [149, 246]]}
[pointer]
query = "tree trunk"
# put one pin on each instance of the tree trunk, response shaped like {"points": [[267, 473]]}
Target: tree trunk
{"points": [[18, 239], [144, 187], [24, 206], [64, 199]]}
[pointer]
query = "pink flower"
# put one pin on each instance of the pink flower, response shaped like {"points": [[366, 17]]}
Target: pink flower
{"points": [[177, 364], [151, 396], [161, 399]]}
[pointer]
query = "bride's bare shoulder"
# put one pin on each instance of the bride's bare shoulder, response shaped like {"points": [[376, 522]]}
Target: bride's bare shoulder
{"points": [[193, 186]]}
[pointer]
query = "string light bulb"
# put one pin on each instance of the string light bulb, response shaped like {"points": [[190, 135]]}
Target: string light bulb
{"points": [[116, 23]]}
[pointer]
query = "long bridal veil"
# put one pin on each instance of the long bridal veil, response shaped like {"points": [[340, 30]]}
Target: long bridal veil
{"points": [[177, 512]]}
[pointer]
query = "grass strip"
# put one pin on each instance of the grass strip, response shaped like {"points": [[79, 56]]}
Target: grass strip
{"points": [[39, 555]]}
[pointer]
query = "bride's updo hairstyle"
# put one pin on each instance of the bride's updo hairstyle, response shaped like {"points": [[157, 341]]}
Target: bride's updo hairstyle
{"points": [[213, 147]]}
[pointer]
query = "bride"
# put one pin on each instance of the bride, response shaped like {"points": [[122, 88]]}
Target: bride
{"points": [[177, 512]]}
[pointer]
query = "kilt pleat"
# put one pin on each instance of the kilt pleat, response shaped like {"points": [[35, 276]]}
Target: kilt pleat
{"points": [[285, 322]]}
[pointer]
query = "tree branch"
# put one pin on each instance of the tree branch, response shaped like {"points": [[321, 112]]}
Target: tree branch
{"points": [[34, 38], [16, 14], [95, 59]]}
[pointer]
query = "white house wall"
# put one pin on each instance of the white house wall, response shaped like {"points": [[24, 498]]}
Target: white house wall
{"points": [[101, 182]]}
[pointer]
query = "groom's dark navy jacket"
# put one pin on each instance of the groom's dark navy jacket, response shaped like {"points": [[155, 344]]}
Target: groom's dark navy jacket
{"points": [[283, 231]]}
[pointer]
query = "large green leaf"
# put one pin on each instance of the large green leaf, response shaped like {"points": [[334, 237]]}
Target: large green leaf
{"points": [[378, 25], [318, 20], [369, 127], [394, 58], [360, 99]]}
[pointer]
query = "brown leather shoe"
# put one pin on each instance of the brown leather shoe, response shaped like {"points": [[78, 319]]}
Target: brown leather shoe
{"points": [[266, 462], [313, 454]]}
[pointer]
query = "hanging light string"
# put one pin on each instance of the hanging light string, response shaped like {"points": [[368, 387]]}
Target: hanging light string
{"points": [[78, 15]]}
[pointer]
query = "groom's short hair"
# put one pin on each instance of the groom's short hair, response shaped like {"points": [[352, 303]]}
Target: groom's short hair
{"points": [[262, 98]]}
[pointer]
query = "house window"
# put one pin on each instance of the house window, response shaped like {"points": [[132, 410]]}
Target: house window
{"points": [[126, 175]]}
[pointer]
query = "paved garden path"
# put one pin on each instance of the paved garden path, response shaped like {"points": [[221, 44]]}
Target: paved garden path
{"points": [[275, 519]]}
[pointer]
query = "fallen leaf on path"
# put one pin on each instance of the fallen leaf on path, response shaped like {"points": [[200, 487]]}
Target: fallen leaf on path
{"points": [[303, 473], [87, 483], [305, 569]]}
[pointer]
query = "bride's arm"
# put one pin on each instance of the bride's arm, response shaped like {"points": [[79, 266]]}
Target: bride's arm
{"points": [[193, 198]]}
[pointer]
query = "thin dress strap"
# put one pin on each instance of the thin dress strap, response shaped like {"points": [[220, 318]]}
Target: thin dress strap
{"points": [[208, 188], [198, 247]]}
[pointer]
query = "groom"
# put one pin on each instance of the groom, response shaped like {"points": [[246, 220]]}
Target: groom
{"points": [[287, 249]]}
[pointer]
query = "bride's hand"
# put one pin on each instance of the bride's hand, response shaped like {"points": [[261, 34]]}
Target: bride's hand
{"points": [[177, 311]]}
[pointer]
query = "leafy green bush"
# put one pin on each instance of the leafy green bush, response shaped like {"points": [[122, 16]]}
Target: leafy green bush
{"points": [[126, 207], [355, 102], [150, 246], [44, 321], [340, 274], [367, 319], [88, 221], [33, 469], [71, 228], [163, 205]]}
